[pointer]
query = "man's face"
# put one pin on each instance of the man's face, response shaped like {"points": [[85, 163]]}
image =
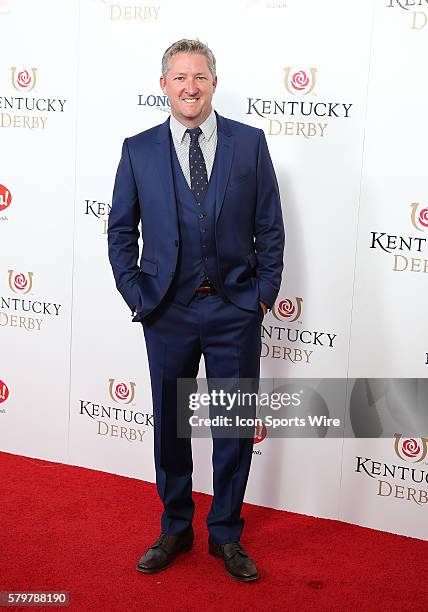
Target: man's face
{"points": [[189, 86]]}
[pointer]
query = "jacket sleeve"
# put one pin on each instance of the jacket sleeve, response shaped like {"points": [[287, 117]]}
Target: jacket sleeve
{"points": [[269, 227], [123, 232]]}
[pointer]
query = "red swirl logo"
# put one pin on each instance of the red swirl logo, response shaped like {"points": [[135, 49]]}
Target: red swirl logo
{"points": [[289, 309], [410, 448], [4, 391], [419, 216], [423, 217], [23, 79], [5, 197], [286, 308], [299, 80], [20, 282], [121, 392]]}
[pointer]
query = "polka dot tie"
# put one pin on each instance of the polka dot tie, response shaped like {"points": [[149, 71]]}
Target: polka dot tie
{"points": [[198, 170]]}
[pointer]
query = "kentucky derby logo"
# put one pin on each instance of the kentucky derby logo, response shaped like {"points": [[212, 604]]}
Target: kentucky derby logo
{"points": [[411, 449], [299, 81], [121, 392], [419, 216], [4, 392], [20, 283], [5, 197], [288, 310], [24, 80], [260, 433]]}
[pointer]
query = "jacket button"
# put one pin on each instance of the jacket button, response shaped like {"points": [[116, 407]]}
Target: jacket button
{"points": [[176, 242], [171, 274]]}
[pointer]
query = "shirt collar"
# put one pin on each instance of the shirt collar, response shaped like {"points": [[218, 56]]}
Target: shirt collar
{"points": [[178, 130]]}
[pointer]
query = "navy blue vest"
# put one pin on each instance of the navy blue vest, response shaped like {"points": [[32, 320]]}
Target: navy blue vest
{"points": [[197, 255]]}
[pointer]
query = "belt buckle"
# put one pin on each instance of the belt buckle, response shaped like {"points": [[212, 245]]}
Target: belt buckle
{"points": [[206, 290]]}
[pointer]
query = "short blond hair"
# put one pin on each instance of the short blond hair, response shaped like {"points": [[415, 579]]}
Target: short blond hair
{"points": [[186, 45]]}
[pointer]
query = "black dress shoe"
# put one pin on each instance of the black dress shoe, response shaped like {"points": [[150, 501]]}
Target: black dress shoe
{"points": [[238, 564], [159, 556]]}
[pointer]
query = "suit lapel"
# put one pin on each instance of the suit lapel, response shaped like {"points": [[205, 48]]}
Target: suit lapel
{"points": [[225, 150], [164, 167]]}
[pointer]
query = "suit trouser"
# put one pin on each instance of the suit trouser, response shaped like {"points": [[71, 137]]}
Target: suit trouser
{"points": [[229, 339]]}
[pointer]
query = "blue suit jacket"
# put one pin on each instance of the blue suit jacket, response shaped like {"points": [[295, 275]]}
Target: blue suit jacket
{"points": [[249, 228]]}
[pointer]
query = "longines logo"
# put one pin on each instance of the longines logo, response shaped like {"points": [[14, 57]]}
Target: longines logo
{"points": [[106, 417], [5, 200], [279, 342], [121, 392], [413, 246], [24, 111], [262, 4], [410, 450], [155, 101], [311, 115], [418, 19], [20, 310], [99, 210], [123, 10]]}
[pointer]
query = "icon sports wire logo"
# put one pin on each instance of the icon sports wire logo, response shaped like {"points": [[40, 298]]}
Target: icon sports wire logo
{"points": [[23, 80], [121, 392], [419, 217], [299, 81], [410, 449], [289, 309], [20, 283]]}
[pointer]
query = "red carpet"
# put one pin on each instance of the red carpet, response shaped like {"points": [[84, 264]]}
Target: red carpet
{"points": [[82, 531]]}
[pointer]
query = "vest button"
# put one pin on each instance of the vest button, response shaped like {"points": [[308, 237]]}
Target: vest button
{"points": [[176, 242]]}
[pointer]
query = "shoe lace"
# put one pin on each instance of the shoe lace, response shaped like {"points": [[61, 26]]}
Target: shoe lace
{"points": [[161, 539], [235, 548]]}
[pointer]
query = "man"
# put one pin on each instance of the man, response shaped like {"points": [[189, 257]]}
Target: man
{"points": [[206, 194]]}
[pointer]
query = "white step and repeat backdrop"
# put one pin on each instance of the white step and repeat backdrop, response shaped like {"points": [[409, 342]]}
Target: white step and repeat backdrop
{"points": [[340, 89]]}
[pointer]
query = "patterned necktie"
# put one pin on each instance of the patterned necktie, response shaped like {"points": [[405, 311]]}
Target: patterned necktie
{"points": [[198, 169]]}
